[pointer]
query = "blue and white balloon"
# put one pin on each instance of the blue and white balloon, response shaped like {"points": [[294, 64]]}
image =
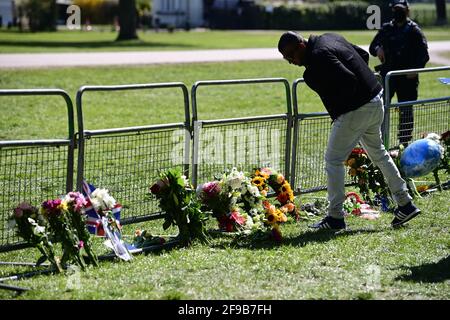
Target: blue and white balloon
{"points": [[421, 157]]}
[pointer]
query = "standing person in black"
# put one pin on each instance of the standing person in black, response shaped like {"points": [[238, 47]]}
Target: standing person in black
{"points": [[400, 44], [338, 71]]}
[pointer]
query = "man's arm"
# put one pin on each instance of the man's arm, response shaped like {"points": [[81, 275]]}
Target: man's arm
{"points": [[376, 43], [421, 49]]}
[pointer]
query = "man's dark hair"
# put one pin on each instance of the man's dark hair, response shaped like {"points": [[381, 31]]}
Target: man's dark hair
{"points": [[288, 38]]}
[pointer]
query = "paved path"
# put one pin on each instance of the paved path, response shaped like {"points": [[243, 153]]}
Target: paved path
{"points": [[45, 60]]}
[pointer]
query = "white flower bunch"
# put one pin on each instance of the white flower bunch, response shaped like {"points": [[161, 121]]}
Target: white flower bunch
{"points": [[102, 200], [235, 179], [253, 190], [37, 229], [185, 181]]}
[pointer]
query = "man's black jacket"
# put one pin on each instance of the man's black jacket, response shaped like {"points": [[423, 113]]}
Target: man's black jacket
{"points": [[338, 71], [404, 47]]}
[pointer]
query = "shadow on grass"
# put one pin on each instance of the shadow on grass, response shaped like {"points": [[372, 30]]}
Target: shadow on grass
{"points": [[430, 272], [91, 44], [305, 238]]}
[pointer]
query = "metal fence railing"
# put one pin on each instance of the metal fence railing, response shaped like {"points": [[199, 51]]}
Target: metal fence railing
{"points": [[310, 138], [128, 160], [33, 170], [419, 117], [245, 143]]}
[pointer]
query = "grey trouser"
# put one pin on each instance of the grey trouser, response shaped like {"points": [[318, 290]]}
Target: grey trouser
{"points": [[363, 125]]}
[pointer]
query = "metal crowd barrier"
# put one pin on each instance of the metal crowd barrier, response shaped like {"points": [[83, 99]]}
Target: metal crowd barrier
{"points": [[34, 170], [421, 116], [244, 143], [127, 161]]}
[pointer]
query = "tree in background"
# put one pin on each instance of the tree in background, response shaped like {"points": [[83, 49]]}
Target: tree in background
{"points": [[127, 20], [41, 14], [441, 12]]}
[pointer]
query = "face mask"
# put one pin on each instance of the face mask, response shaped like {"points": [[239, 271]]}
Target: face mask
{"points": [[399, 16]]}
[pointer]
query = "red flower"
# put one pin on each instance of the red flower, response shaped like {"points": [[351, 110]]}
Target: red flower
{"points": [[445, 136], [236, 216], [283, 197], [158, 186]]}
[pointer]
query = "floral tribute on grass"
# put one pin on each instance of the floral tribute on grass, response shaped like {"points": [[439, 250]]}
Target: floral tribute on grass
{"points": [[240, 201], [57, 221], [178, 200], [368, 178], [354, 205], [266, 178], [234, 201], [103, 219], [32, 226]]}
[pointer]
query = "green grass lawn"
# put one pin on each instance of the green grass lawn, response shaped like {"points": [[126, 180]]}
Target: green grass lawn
{"points": [[80, 41], [413, 262], [370, 261]]}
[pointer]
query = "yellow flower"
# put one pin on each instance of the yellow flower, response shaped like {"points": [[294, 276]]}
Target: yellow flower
{"points": [[280, 179], [258, 181], [422, 188], [271, 218], [281, 217], [350, 162], [352, 172], [63, 206], [286, 187], [261, 174]]}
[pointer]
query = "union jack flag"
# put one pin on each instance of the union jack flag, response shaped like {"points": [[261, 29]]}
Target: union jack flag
{"points": [[94, 219]]}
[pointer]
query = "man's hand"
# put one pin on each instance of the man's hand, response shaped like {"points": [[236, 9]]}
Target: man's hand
{"points": [[380, 54]]}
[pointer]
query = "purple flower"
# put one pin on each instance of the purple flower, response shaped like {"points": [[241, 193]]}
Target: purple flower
{"points": [[77, 199], [51, 206], [81, 244], [22, 208]]}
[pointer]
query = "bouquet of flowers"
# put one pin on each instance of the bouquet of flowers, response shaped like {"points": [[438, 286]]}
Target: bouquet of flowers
{"points": [[76, 204], [354, 205], [274, 218], [143, 239], [263, 178], [32, 227], [234, 201], [56, 212], [367, 176], [177, 199], [103, 219]]}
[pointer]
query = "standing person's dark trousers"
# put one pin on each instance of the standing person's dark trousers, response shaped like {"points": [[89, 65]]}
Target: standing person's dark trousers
{"points": [[406, 90]]}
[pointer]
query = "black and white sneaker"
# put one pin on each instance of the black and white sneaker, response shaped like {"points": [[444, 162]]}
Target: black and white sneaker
{"points": [[329, 223], [404, 213]]}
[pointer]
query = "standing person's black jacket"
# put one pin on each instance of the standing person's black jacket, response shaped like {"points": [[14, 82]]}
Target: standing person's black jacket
{"points": [[404, 47], [338, 71]]}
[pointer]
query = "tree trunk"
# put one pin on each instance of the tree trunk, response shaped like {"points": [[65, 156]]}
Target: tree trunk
{"points": [[127, 20], [441, 12]]}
